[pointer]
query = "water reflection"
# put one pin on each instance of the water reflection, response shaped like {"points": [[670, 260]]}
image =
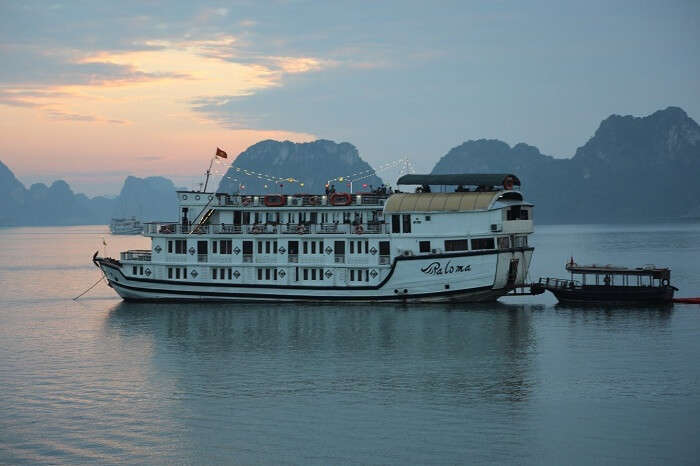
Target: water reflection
{"points": [[475, 351]]}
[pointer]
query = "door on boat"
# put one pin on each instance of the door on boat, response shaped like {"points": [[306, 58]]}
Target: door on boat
{"points": [[237, 217], [202, 251], [512, 273]]}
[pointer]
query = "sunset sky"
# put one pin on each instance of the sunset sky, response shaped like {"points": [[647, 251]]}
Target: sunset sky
{"points": [[91, 92]]}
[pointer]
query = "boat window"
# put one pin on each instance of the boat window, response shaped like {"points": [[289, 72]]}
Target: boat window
{"points": [[306, 274], [483, 243], [247, 247], [134, 271], [293, 247], [246, 218], [267, 247], [184, 273], [396, 223], [320, 274], [313, 274], [306, 248], [214, 273], [339, 247], [457, 245], [503, 242], [226, 246], [180, 246], [267, 274], [520, 241], [352, 275], [524, 214], [170, 272], [424, 246], [229, 274], [274, 248], [383, 248], [407, 223], [352, 247], [170, 246], [513, 213], [359, 247], [213, 247], [260, 274], [177, 272], [260, 247], [313, 247]]}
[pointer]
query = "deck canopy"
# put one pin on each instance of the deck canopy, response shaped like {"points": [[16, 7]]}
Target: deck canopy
{"points": [[440, 202], [655, 272], [463, 179]]}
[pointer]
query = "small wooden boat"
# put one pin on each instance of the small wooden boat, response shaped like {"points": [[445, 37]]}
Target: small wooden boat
{"points": [[607, 284]]}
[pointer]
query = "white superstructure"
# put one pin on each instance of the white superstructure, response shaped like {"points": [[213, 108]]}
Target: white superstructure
{"points": [[425, 246]]}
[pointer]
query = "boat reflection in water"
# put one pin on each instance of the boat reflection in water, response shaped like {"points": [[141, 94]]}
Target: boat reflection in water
{"points": [[483, 352]]}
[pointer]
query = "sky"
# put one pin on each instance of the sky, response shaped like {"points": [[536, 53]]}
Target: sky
{"points": [[93, 91]]}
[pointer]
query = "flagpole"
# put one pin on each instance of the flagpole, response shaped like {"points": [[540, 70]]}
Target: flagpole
{"points": [[208, 173]]}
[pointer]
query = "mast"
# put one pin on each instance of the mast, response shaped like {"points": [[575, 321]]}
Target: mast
{"points": [[206, 182]]}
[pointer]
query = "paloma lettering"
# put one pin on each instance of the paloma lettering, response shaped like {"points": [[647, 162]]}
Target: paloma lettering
{"points": [[435, 268]]}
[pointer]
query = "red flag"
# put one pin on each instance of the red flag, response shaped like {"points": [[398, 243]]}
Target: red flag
{"points": [[220, 153]]}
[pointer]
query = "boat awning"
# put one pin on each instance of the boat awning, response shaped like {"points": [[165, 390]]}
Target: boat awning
{"points": [[660, 273], [464, 179], [440, 202]]}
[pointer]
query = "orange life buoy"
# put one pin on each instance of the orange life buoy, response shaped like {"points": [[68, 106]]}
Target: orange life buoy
{"points": [[274, 200], [245, 201], [257, 229], [340, 199], [314, 200], [359, 230], [300, 229], [508, 183]]}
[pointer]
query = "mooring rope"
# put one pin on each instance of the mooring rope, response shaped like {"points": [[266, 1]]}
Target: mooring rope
{"points": [[91, 287]]}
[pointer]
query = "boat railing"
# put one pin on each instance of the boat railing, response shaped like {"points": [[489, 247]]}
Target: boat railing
{"points": [[300, 200], [143, 255], [372, 228], [549, 282]]}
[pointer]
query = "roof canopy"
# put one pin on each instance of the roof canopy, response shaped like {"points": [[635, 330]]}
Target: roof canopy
{"points": [[656, 272], [464, 179], [440, 202]]}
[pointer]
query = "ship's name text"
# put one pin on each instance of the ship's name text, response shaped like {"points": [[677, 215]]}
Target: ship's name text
{"points": [[436, 268]]}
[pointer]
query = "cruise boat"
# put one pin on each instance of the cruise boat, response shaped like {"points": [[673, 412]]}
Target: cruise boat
{"points": [[125, 226], [465, 245]]}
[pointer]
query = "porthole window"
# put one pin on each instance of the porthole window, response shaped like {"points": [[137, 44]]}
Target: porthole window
{"points": [[184, 197], [197, 197]]}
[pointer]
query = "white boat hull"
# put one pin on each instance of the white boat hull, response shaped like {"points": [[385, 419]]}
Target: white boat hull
{"points": [[455, 277]]}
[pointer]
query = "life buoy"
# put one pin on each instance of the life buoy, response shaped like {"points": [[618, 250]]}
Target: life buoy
{"points": [[257, 229], [314, 200], [274, 200], [300, 229], [245, 201], [340, 199], [359, 230], [508, 183]]}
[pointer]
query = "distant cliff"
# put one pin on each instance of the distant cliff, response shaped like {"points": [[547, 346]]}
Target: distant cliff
{"points": [[313, 163], [632, 170], [147, 199]]}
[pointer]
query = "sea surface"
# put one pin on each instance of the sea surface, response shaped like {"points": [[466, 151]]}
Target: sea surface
{"points": [[521, 381]]}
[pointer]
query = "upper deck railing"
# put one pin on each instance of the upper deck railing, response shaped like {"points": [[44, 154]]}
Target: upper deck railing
{"points": [[301, 200], [136, 255], [159, 228]]}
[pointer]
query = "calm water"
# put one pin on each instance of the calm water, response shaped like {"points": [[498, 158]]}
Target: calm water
{"points": [[522, 381]]}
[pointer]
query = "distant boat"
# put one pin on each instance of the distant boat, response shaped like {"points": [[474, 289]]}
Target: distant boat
{"points": [[610, 284], [125, 226]]}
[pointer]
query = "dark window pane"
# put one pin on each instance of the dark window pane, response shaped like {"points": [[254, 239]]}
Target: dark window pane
{"points": [[424, 246]]}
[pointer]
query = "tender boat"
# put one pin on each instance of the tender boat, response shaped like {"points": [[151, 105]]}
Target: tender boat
{"points": [[125, 226], [607, 284], [465, 245]]}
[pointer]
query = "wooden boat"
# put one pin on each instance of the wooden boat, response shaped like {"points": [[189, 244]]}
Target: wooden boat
{"points": [[607, 284]]}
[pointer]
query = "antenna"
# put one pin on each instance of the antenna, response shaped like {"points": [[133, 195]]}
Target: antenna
{"points": [[206, 182]]}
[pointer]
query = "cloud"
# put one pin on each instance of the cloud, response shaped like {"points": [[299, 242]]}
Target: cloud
{"points": [[58, 115]]}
